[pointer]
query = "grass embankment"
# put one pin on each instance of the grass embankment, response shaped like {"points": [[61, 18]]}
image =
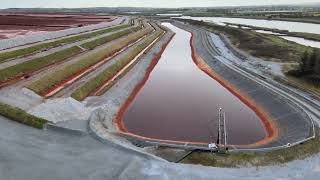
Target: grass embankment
{"points": [[21, 116], [276, 157], [103, 40], [310, 36], [111, 71], [33, 49], [51, 80], [38, 63], [268, 47]]}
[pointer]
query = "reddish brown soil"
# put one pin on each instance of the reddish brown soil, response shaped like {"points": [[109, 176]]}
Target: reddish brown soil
{"points": [[12, 25]]}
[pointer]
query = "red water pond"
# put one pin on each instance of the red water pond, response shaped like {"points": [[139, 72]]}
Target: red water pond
{"points": [[179, 102]]}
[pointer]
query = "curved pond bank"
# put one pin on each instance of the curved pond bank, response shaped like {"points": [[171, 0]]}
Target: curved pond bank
{"points": [[179, 102]]}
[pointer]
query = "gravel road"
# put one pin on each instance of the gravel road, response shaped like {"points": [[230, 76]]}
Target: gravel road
{"points": [[34, 38], [53, 50]]}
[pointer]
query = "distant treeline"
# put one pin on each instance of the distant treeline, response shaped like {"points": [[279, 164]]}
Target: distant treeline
{"points": [[309, 67]]}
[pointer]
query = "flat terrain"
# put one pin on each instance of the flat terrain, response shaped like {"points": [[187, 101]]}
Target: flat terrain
{"points": [[65, 156], [78, 84], [13, 25]]}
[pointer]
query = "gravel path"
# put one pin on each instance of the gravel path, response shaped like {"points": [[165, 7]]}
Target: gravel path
{"points": [[14, 94], [66, 108], [56, 49], [66, 92], [33, 38]]}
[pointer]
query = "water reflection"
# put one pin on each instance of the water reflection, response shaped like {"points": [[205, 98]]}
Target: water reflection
{"points": [[267, 32], [302, 41], [271, 24], [282, 25]]}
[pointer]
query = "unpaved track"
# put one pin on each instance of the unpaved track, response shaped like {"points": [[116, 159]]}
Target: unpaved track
{"points": [[70, 61], [66, 92], [10, 94], [35, 38], [116, 23], [53, 50]]}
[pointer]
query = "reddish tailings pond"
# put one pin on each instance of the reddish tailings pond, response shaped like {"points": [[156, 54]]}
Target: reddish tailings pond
{"points": [[179, 102]]}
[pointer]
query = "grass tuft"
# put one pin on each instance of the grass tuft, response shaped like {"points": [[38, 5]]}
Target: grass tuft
{"points": [[51, 80], [256, 159], [21, 116], [44, 46], [108, 73], [37, 63]]}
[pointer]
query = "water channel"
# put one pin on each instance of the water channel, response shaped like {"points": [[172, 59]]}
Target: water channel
{"points": [[271, 24]]}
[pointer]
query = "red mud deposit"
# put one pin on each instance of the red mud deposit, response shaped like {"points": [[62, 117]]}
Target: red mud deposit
{"points": [[176, 102], [13, 24]]}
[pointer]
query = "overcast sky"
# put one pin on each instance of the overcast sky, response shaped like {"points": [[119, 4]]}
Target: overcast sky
{"points": [[140, 3]]}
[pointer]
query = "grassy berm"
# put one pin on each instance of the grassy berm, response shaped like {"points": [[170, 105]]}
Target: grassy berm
{"points": [[37, 63], [267, 47], [109, 72], [33, 49], [277, 157], [52, 79], [21, 116]]}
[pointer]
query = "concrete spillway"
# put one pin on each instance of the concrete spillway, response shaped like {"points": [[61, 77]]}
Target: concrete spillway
{"points": [[179, 102]]}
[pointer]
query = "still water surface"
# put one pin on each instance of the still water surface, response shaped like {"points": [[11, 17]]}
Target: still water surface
{"points": [[302, 41], [180, 102], [282, 25]]}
